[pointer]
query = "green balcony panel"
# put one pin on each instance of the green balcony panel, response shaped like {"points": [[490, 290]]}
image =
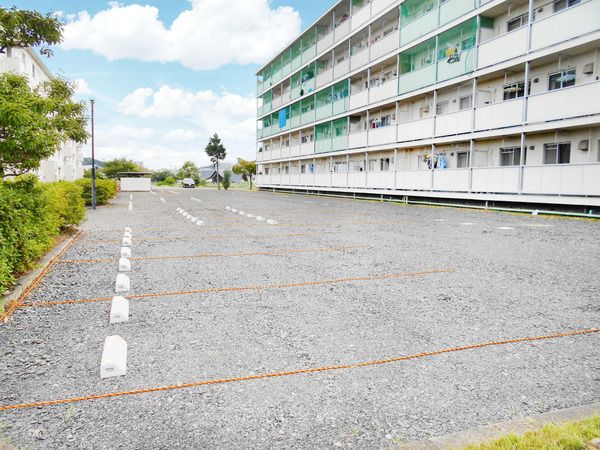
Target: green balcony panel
{"points": [[340, 96], [340, 134], [417, 67], [296, 54], [418, 17], [323, 137], [453, 9], [307, 110], [455, 51], [295, 120]]}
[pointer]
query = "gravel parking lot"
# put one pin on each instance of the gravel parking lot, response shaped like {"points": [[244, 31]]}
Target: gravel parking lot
{"points": [[333, 282]]}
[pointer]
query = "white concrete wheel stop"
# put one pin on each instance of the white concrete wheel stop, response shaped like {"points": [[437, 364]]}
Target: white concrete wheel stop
{"points": [[114, 357], [122, 283], [119, 309], [125, 252], [124, 265]]}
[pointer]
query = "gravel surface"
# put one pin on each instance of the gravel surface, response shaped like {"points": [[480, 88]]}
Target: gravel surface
{"points": [[508, 276]]}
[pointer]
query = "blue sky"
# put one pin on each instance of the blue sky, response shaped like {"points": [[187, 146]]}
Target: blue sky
{"points": [[163, 80]]}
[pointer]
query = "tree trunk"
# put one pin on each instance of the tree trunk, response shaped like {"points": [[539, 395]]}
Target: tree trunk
{"points": [[250, 181], [218, 177]]}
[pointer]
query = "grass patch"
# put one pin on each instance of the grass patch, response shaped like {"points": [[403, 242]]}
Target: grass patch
{"points": [[568, 436]]}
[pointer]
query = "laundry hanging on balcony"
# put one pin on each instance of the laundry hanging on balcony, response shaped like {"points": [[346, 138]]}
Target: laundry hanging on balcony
{"points": [[283, 118]]}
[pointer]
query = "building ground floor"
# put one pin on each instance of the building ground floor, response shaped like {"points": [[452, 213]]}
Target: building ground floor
{"points": [[66, 164], [559, 166]]}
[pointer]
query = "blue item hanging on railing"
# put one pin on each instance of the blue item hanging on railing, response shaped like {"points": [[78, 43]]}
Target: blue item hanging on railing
{"points": [[283, 118]]}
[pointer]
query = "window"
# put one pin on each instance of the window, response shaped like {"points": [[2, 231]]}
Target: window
{"points": [[517, 22], [510, 156], [372, 165], [562, 79], [442, 107], [462, 159], [308, 138], [515, 90], [559, 5], [303, 168], [557, 153], [384, 164], [465, 102]]}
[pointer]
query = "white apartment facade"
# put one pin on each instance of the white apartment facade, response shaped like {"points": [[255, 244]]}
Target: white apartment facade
{"points": [[477, 100], [67, 163]]}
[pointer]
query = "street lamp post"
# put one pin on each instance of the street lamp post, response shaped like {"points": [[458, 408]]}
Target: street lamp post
{"points": [[93, 161]]}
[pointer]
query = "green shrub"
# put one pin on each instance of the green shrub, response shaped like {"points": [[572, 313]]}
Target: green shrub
{"points": [[201, 182], [31, 215], [105, 190], [226, 179], [169, 181]]}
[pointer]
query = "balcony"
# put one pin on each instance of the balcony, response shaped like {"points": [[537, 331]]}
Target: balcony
{"points": [[453, 9], [307, 148], [504, 180], [285, 152], [384, 46], [562, 179], [417, 79], [276, 102], [323, 145], [503, 48], [451, 180], [415, 130], [419, 27], [414, 180], [295, 121], [325, 42], [339, 179], [295, 150], [361, 16], [308, 117], [383, 135], [499, 115], [357, 140], [359, 59], [306, 179], [567, 24], [324, 111], [380, 180], [341, 31], [339, 143], [341, 69], [386, 90], [309, 53], [564, 103], [287, 69], [379, 5], [357, 179], [359, 99], [297, 62], [340, 106], [453, 123], [465, 64], [324, 77], [322, 179]]}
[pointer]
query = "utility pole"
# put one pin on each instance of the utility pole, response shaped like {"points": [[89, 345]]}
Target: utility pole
{"points": [[93, 161]]}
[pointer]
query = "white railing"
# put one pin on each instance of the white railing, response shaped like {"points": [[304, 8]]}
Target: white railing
{"points": [[383, 135], [452, 180], [418, 180], [357, 179], [564, 103], [564, 179], [495, 179], [342, 30], [453, 123], [357, 140], [425, 76], [567, 24], [417, 129], [325, 42], [323, 179], [361, 16], [295, 150], [386, 90], [338, 179], [380, 5], [503, 48], [359, 59], [324, 77], [306, 179], [499, 115], [380, 180], [341, 69], [385, 45], [307, 148], [359, 99]]}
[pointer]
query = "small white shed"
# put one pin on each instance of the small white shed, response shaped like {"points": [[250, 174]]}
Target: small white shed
{"points": [[135, 182]]}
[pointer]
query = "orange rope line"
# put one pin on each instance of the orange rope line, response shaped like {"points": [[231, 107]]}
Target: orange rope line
{"points": [[217, 236], [243, 288], [218, 255], [298, 371], [16, 304]]}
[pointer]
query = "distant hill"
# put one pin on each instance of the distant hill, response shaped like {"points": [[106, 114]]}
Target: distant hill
{"points": [[207, 171], [88, 162]]}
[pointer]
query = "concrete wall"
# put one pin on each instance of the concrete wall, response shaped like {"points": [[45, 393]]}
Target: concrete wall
{"points": [[136, 185]]}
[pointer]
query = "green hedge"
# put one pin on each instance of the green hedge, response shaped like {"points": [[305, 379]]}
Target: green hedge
{"points": [[105, 190], [31, 215]]}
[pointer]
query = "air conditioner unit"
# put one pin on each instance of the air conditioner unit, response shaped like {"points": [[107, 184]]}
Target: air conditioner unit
{"points": [[588, 68], [584, 145], [425, 108]]}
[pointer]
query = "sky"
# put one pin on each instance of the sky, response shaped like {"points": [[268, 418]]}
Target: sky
{"points": [[168, 74]]}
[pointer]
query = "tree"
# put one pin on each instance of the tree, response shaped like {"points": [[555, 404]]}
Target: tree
{"points": [[161, 175], [114, 167], [189, 170], [22, 28], [247, 169], [226, 179], [34, 123], [216, 152]]}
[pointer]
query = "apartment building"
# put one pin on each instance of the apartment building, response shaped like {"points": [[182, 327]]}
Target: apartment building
{"points": [[67, 163], [476, 100]]}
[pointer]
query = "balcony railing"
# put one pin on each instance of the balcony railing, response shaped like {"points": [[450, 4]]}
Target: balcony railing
{"points": [[341, 69], [564, 103], [324, 111], [385, 90], [453, 123], [562, 179], [324, 77], [465, 64], [357, 140], [342, 30], [503, 180], [361, 16], [418, 27], [503, 48], [359, 99], [379, 5], [499, 115], [453, 9], [383, 135], [425, 76], [567, 24], [325, 42], [359, 59], [384, 46], [417, 129]]}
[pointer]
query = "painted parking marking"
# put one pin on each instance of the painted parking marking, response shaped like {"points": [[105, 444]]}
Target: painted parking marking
{"points": [[331, 368], [504, 228], [243, 288]]}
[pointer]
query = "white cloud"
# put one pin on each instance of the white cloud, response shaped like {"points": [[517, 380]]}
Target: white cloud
{"points": [[209, 35], [81, 87]]}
